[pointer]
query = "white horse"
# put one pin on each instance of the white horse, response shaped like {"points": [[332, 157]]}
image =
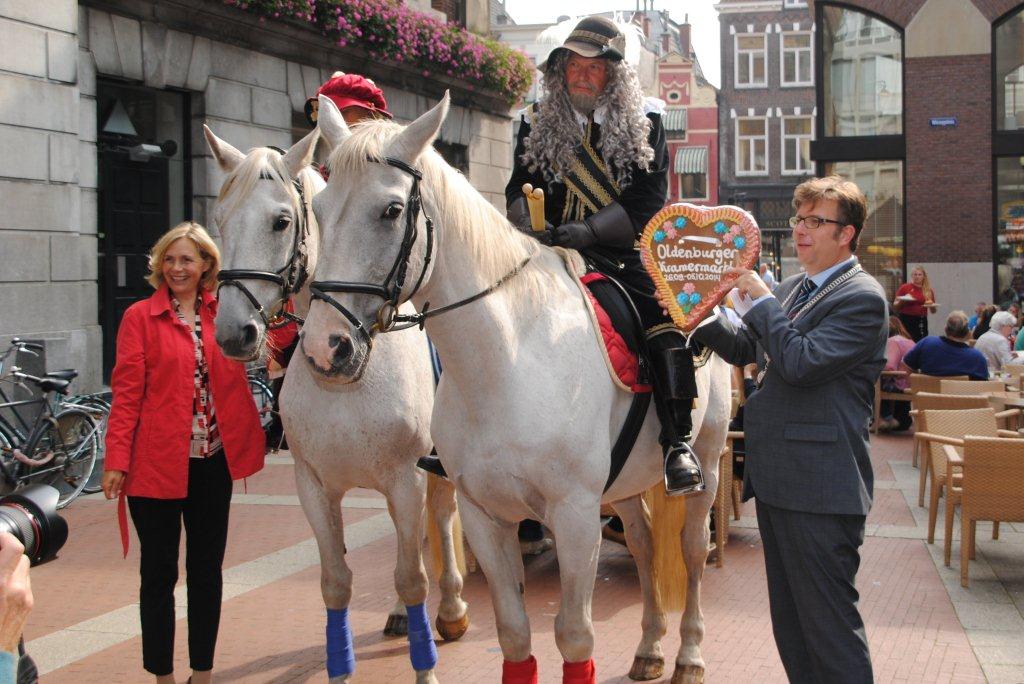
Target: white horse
{"points": [[367, 434], [526, 414]]}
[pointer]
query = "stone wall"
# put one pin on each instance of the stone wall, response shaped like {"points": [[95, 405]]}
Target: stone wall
{"points": [[51, 54], [47, 187]]}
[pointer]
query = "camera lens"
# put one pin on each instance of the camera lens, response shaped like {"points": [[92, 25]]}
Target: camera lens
{"points": [[30, 514]]}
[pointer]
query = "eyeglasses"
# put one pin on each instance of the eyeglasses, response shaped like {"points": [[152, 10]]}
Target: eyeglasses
{"points": [[812, 222]]}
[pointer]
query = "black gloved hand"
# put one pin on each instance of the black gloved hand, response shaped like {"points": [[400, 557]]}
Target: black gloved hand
{"points": [[519, 216], [574, 234]]}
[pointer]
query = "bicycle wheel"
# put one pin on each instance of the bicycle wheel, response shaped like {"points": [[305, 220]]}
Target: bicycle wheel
{"points": [[264, 398], [7, 442], [99, 410], [74, 442]]}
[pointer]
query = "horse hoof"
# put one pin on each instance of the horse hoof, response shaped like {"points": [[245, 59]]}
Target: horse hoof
{"points": [[646, 668], [688, 674], [452, 631], [397, 625]]}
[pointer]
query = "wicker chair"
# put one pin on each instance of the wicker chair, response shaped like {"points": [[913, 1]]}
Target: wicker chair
{"points": [[881, 396], [971, 386], [991, 488], [1014, 369], [939, 428], [944, 402], [920, 382]]}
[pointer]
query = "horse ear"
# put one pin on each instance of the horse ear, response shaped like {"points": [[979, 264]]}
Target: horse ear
{"points": [[226, 155], [330, 122], [301, 153], [418, 135]]}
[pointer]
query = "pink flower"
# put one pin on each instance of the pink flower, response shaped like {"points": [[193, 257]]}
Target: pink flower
{"points": [[689, 288]]}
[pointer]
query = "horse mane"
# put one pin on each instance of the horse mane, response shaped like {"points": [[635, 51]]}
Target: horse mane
{"points": [[495, 245], [260, 163]]}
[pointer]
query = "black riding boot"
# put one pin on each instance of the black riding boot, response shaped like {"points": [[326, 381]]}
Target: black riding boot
{"points": [[432, 464], [675, 388]]}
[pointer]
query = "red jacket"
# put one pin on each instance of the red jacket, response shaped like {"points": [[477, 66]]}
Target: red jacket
{"points": [[150, 422]]}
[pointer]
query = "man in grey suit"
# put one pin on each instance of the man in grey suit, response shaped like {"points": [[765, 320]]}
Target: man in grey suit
{"points": [[820, 347]]}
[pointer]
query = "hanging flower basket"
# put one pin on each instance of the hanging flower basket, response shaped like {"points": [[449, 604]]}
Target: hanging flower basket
{"points": [[389, 31]]}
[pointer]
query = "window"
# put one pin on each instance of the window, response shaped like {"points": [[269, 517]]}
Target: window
{"points": [[796, 59], [751, 146], [693, 186], [792, 4], [797, 132], [880, 248], [1009, 229], [862, 75], [1009, 58], [691, 165], [750, 60]]}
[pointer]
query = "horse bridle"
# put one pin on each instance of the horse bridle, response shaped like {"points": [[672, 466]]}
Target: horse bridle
{"points": [[387, 318], [290, 277]]}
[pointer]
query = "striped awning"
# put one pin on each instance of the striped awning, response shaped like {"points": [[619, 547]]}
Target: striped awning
{"points": [[675, 119], [692, 160]]}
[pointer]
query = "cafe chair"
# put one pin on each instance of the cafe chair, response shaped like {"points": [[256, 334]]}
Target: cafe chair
{"points": [[943, 402], [971, 386], [881, 396], [939, 428], [990, 486], [921, 382]]}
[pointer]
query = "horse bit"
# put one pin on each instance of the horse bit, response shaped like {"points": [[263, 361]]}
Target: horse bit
{"points": [[388, 319], [289, 277]]}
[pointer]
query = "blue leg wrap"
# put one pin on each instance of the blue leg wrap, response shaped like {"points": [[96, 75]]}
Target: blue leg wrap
{"points": [[422, 651], [341, 658]]}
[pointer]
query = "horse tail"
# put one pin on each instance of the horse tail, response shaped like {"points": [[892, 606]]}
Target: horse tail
{"points": [[437, 499], [668, 515]]}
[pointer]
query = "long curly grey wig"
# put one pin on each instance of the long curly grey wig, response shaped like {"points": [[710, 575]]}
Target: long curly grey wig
{"points": [[555, 133]]}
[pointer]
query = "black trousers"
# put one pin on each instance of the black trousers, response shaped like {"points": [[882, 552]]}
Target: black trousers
{"points": [[811, 561], [158, 523], [917, 326]]}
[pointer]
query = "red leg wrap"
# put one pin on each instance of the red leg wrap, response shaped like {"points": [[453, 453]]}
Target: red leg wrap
{"points": [[579, 673], [523, 672]]}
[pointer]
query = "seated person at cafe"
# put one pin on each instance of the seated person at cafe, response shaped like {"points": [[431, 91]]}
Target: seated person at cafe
{"points": [[995, 344], [949, 354]]}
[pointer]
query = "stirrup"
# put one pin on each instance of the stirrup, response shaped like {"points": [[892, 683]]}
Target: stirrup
{"points": [[432, 464], [696, 481]]}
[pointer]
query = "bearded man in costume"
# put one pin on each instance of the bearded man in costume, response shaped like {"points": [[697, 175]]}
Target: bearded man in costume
{"points": [[596, 146]]}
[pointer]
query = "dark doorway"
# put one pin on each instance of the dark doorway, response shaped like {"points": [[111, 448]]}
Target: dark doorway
{"points": [[144, 188], [134, 214]]}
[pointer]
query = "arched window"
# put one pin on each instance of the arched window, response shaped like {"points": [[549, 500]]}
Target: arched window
{"points": [[1008, 97], [863, 74], [860, 117], [1008, 152]]}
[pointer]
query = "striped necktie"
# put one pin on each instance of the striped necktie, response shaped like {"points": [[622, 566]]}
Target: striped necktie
{"points": [[807, 286]]}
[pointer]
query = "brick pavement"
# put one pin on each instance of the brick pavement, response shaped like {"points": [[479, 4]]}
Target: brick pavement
{"points": [[273, 632]]}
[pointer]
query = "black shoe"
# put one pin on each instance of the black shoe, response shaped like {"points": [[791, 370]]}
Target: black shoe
{"points": [[682, 470], [432, 464]]}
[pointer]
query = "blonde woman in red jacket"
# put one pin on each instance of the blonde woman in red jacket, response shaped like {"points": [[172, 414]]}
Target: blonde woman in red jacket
{"points": [[183, 425]]}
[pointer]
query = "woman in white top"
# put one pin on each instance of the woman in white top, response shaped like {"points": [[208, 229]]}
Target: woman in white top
{"points": [[995, 343]]}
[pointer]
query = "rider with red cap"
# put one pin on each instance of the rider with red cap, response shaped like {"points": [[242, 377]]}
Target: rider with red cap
{"points": [[359, 99]]}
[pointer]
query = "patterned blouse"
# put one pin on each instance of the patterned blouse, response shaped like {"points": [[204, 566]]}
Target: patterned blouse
{"points": [[205, 435]]}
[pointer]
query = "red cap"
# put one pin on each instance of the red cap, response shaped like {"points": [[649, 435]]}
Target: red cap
{"points": [[350, 90]]}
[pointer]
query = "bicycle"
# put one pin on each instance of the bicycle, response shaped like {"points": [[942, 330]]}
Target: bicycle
{"points": [[58, 447]]}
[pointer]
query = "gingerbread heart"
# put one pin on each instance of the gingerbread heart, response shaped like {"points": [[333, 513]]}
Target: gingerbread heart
{"points": [[686, 248]]}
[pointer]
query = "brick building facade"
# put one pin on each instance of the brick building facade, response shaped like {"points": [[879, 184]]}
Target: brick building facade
{"points": [[691, 127], [930, 122], [766, 114], [85, 84]]}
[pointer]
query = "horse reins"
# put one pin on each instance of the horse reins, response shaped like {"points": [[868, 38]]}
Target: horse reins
{"points": [[290, 277], [388, 319]]}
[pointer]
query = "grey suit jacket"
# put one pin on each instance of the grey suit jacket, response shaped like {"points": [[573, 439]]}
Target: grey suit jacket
{"points": [[806, 428]]}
